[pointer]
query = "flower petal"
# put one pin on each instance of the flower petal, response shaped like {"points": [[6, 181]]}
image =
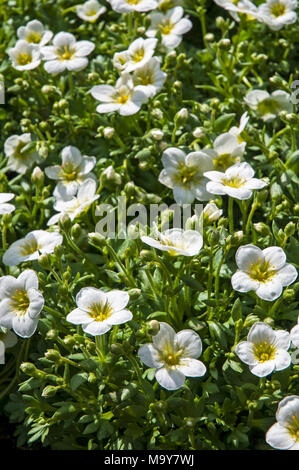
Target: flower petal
{"points": [[149, 355], [171, 379]]}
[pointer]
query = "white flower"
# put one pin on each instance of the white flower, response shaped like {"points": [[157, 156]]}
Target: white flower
{"points": [[19, 160], [139, 53], [24, 56], [6, 208], [149, 78], [124, 97], [98, 311], [176, 241], [20, 303], [226, 151], [126, 6], [31, 247], [74, 169], [236, 182], [7, 340], [269, 106], [235, 8], [211, 212], [73, 207], [284, 434], [237, 131], [34, 33], [172, 26], [90, 11], [184, 174], [295, 334], [66, 54], [265, 349], [278, 13], [174, 356], [263, 271]]}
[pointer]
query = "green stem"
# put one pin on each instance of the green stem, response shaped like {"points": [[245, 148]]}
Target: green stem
{"points": [[231, 215]]}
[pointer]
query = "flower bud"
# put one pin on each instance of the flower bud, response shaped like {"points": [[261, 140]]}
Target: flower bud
{"points": [[45, 261], [109, 132], [289, 229], [49, 391], [153, 327], [181, 116], [262, 229], [53, 355], [157, 134], [52, 334], [38, 176], [198, 132], [116, 349]]}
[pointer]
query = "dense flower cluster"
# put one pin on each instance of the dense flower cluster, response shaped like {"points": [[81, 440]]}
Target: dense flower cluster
{"points": [[118, 107]]}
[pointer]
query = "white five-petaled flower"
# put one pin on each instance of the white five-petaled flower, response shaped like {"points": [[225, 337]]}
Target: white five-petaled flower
{"points": [[149, 78], [211, 212], [126, 6], [86, 195], [184, 174], [269, 106], [24, 56], [264, 271], [174, 355], [98, 311], [31, 247], [236, 182], [4, 207], [7, 340], [265, 350], [176, 241], [284, 434], [90, 10], [278, 13], [20, 303], [124, 97], [19, 159], [295, 334], [66, 54], [171, 25], [35, 33], [138, 54], [74, 169], [226, 151]]}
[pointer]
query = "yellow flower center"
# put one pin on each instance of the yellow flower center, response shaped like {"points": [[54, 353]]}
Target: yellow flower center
{"points": [[24, 59], [264, 351], [133, 2], [261, 271], [91, 12], [224, 161], [293, 427], [166, 27], [34, 37], [69, 172], [100, 311], [138, 55], [234, 182], [145, 78], [268, 106], [186, 174], [29, 246], [65, 53], [278, 9], [20, 302], [170, 356], [122, 99]]}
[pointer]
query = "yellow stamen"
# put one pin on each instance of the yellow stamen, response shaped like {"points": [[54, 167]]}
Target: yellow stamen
{"points": [[20, 302], [278, 9], [34, 37], [100, 311], [29, 246], [264, 351], [261, 271], [24, 59]]}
